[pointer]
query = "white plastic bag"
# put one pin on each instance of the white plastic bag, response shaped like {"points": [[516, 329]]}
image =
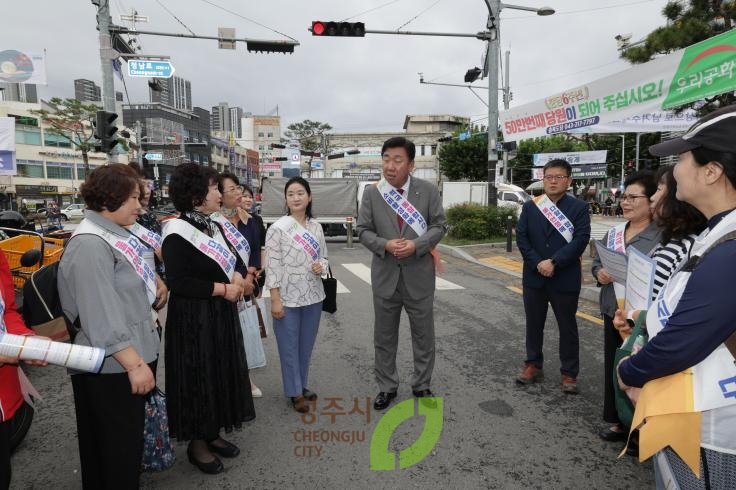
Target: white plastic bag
{"points": [[254, 352]]}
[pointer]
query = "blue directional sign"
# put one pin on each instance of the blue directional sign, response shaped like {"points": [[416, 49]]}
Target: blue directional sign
{"points": [[150, 68], [153, 156]]}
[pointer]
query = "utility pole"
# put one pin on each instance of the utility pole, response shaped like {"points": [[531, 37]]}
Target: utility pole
{"points": [[139, 142], [494, 16], [506, 100], [107, 54]]}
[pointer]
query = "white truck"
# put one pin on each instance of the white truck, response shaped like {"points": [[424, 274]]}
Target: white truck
{"points": [[333, 200], [509, 195]]}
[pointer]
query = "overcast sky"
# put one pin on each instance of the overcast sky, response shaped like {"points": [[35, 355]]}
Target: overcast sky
{"points": [[355, 84]]}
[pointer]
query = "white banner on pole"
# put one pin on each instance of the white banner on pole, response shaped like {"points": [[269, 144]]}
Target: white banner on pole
{"points": [[571, 157], [7, 146], [702, 70]]}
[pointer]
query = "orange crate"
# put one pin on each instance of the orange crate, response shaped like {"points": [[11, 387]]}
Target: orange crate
{"points": [[15, 247]]}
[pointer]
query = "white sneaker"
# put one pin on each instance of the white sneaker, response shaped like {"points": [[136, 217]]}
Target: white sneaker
{"points": [[256, 392]]}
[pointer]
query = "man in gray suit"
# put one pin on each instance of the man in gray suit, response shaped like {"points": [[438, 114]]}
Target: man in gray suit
{"points": [[402, 236]]}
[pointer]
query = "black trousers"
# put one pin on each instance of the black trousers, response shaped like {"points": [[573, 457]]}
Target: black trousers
{"points": [[5, 455], [110, 430], [611, 340], [564, 305]]}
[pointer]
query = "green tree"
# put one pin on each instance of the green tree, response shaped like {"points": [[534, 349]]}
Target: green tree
{"points": [[687, 23], [72, 120], [310, 135], [466, 159]]}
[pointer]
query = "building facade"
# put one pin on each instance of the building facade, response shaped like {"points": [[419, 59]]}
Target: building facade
{"points": [[87, 91], [174, 92], [423, 130], [176, 135], [259, 133], [48, 166], [18, 92]]}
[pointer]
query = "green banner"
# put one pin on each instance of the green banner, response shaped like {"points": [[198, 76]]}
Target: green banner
{"points": [[706, 69]]}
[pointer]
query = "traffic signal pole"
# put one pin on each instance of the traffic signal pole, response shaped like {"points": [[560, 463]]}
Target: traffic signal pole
{"points": [[106, 56]]}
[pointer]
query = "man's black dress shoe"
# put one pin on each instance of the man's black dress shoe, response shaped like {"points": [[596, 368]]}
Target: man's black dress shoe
{"points": [[226, 450], [212, 468], [309, 394], [420, 394], [383, 400]]}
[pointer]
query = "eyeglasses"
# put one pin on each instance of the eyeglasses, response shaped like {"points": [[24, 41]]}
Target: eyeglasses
{"points": [[550, 178], [632, 197], [397, 159], [238, 189]]}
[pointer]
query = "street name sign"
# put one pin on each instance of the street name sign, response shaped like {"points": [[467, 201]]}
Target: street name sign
{"points": [[154, 156], [150, 68]]}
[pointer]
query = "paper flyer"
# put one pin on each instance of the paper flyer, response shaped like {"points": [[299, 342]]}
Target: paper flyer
{"points": [[28, 347]]}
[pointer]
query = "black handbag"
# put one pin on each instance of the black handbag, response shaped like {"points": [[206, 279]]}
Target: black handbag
{"points": [[329, 283]]}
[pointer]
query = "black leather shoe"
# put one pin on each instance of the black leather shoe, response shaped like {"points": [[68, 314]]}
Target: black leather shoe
{"points": [[227, 450], [309, 394], [300, 404], [423, 396], [383, 400], [212, 468], [608, 434]]}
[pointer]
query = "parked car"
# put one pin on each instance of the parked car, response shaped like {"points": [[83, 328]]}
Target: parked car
{"points": [[72, 211]]}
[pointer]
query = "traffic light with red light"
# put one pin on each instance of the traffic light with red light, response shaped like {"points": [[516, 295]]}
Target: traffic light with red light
{"points": [[105, 131], [344, 29]]}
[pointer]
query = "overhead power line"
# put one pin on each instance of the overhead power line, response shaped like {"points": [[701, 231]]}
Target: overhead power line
{"points": [[175, 17], [248, 19]]}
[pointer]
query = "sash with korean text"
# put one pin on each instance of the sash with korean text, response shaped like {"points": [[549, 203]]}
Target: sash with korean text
{"points": [[130, 247], [302, 239], [616, 240], [213, 247], [555, 216], [402, 207], [151, 238], [2, 315], [232, 235]]}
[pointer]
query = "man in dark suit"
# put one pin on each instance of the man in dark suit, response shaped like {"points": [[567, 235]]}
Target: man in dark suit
{"points": [[552, 234], [403, 267]]}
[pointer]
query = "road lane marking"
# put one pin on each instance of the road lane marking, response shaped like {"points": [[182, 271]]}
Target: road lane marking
{"points": [[582, 315], [364, 273], [502, 262], [341, 289]]}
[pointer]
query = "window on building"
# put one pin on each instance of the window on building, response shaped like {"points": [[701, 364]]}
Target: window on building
{"points": [[56, 170], [270, 135], [28, 136], [56, 141], [30, 168], [434, 149], [261, 147], [260, 134]]}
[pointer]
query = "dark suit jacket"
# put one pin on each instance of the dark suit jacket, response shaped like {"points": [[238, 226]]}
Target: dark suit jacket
{"points": [[538, 240], [377, 225]]}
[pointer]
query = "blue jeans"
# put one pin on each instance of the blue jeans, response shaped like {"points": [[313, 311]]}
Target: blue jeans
{"points": [[296, 333]]}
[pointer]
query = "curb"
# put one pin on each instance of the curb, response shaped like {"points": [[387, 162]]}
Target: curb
{"points": [[588, 293]]}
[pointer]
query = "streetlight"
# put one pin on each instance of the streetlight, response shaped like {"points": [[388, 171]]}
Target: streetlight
{"points": [[494, 22]]}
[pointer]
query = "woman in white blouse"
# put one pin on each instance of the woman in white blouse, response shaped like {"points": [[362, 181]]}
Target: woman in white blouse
{"points": [[296, 257]]}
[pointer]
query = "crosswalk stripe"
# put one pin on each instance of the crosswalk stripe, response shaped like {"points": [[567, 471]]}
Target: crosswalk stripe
{"points": [[341, 289], [364, 273]]}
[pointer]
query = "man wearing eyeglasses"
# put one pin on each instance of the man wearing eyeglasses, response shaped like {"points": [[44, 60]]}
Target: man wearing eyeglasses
{"points": [[552, 234]]}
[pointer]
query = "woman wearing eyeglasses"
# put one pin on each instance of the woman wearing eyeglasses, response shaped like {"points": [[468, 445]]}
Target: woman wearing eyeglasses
{"points": [[232, 201], [641, 232]]}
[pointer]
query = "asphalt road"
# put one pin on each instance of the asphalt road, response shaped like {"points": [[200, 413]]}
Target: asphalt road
{"points": [[495, 434]]}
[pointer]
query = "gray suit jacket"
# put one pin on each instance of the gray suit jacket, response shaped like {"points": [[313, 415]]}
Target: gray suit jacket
{"points": [[377, 225]]}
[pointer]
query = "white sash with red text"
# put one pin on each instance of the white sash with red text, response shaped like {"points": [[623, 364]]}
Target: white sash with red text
{"points": [[152, 238], [616, 239], [232, 235], [212, 247], [131, 248], [555, 216], [402, 207], [303, 240]]}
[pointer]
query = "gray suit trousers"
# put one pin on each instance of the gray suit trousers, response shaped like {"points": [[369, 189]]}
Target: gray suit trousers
{"points": [[386, 338]]}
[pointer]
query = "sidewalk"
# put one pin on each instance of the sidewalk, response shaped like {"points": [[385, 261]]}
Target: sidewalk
{"points": [[495, 256]]}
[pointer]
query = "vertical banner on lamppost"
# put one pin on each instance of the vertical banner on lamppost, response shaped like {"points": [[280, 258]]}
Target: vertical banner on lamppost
{"points": [[7, 146], [702, 70]]}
